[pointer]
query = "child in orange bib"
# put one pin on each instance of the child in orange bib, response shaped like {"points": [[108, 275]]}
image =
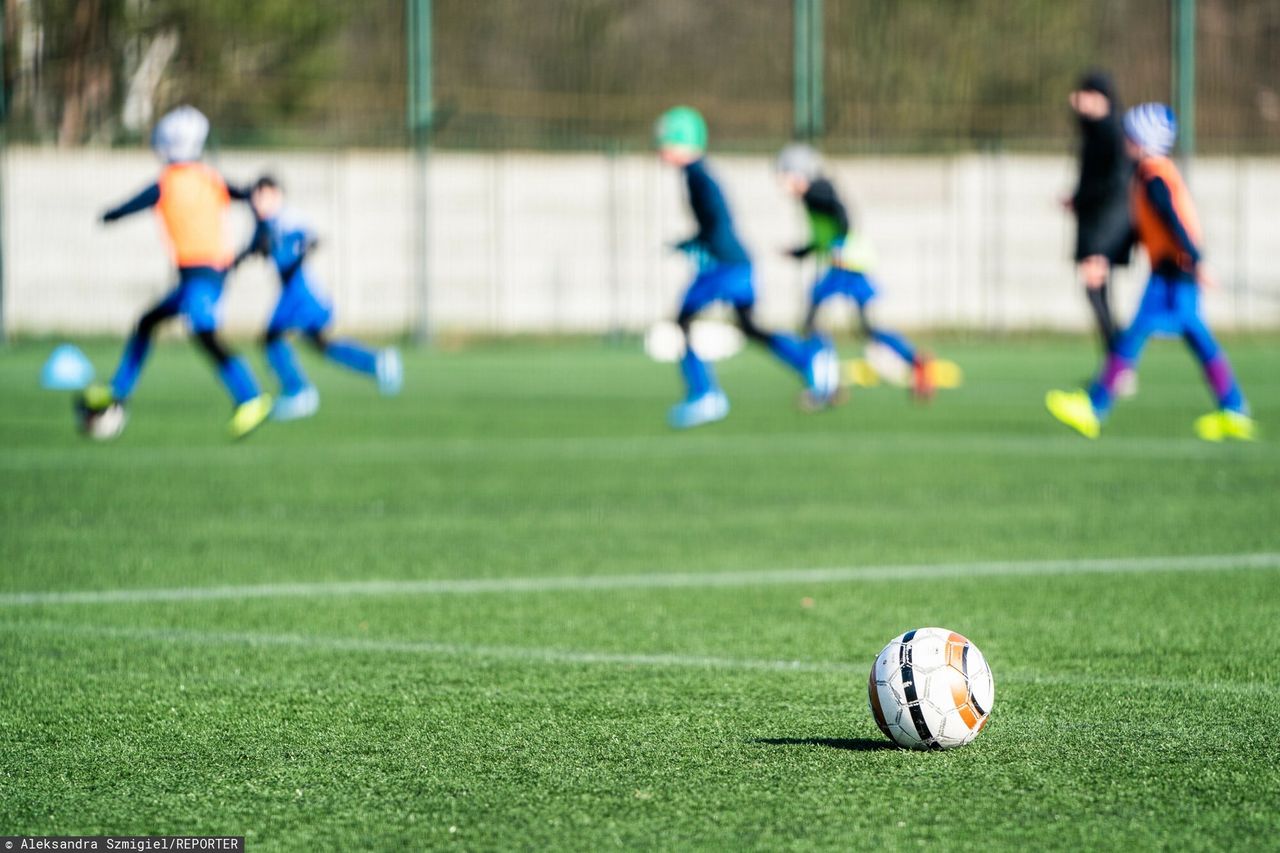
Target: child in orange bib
{"points": [[191, 200], [1168, 228]]}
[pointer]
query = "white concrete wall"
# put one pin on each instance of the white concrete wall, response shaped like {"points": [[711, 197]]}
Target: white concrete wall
{"points": [[524, 242]]}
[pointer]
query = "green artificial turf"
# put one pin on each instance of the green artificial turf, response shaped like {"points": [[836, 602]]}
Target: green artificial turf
{"points": [[1134, 709]]}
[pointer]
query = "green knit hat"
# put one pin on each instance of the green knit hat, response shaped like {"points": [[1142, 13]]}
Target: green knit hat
{"points": [[681, 127]]}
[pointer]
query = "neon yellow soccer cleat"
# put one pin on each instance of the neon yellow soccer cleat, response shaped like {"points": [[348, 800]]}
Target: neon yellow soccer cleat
{"points": [[1223, 424], [249, 415], [944, 373], [1074, 409], [1239, 426], [860, 373], [97, 397]]}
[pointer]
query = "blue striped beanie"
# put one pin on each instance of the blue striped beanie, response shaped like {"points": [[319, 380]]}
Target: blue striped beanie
{"points": [[1152, 126]]}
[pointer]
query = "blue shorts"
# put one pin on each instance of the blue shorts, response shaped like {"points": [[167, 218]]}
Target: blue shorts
{"points": [[841, 282], [1170, 306], [195, 298], [721, 283], [299, 308]]}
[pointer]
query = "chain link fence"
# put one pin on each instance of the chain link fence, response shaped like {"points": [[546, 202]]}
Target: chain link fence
{"points": [[907, 76], [545, 211]]}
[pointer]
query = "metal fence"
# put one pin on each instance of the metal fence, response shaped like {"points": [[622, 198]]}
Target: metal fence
{"points": [[911, 75], [543, 211]]}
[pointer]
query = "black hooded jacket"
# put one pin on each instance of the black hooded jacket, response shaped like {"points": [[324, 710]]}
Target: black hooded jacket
{"points": [[1101, 199]]}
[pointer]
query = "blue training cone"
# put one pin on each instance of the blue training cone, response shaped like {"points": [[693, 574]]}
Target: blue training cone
{"points": [[68, 369]]}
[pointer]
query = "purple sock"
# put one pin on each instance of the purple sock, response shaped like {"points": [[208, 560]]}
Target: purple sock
{"points": [[1103, 390], [1222, 380]]}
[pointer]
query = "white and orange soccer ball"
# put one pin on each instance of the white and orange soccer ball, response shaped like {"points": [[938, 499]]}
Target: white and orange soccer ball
{"points": [[931, 689]]}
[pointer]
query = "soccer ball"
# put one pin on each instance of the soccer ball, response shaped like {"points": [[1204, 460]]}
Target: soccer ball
{"points": [[930, 689], [100, 424]]}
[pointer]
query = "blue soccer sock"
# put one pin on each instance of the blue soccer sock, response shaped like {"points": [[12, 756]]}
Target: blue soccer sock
{"points": [[353, 355], [791, 351], [897, 343], [130, 368], [240, 384], [1222, 380], [698, 378], [284, 362]]}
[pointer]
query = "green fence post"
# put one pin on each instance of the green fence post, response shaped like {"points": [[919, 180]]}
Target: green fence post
{"points": [[800, 68], [807, 65], [816, 112], [420, 109], [1184, 74]]}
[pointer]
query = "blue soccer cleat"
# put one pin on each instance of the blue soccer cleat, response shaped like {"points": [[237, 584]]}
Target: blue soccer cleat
{"points": [[292, 407], [710, 407], [389, 371]]}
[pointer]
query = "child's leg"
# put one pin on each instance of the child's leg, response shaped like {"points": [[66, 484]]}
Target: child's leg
{"points": [[138, 346], [309, 312], [1100, 302], [892, 340], [232, 369], [348, 353], [811, 318], [704, 402], [862, 292], [788, 349], [1217, 369], [1156, 301], [284, 362], [706, 288], [202, 289], [827, 286], [699, 379]]}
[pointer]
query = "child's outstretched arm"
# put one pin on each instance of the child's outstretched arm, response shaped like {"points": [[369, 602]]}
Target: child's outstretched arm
{"points": [[259, 244], [148, 198], [1162, 200]]}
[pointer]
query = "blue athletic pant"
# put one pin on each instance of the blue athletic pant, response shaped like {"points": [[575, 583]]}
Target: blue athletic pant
{"points": [[1169, 304], [300, 309], [195, 298], [857, 287], [732, 283]]}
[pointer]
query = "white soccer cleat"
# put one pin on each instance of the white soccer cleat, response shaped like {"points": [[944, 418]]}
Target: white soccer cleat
{"points": [[99, 418], [710, 407], [293, 407], [823, 376], [390, 372]]}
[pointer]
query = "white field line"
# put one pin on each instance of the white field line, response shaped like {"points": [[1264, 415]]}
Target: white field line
{"points": [[655, 580], [595, 448], [572, 657]]}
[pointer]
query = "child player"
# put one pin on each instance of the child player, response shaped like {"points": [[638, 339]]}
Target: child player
{"points": [[724, 275], [842, 272], [192, 201], [1167, 227], [286, 241]]}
